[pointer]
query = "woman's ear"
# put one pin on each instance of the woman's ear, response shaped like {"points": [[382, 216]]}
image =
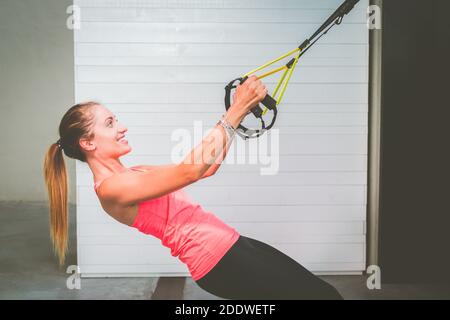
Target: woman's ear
{"points": [[87, 145]]}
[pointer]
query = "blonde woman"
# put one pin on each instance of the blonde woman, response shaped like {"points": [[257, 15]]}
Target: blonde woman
{"points": [[151, 199]]}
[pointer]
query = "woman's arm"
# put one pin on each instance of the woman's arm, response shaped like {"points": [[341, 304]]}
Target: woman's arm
{"points": [[214, 167], [129, 188], [246, 96], [206, 157], [234, 118]]}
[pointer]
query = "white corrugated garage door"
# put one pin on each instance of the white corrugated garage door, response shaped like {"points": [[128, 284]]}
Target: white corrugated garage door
{"points": [[162, 65]]}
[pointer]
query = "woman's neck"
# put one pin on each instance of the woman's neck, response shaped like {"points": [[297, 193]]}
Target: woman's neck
{"points": [[103, 169]]}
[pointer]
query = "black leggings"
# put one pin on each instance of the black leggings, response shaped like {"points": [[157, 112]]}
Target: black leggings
{"points": [[252, 269]]}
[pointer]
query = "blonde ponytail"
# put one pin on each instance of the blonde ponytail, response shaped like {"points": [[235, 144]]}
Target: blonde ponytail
{"points": [[76, 123], [55, 176]]}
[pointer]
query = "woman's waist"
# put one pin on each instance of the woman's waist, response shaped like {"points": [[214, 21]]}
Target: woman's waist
{"points": [[201, 230]]}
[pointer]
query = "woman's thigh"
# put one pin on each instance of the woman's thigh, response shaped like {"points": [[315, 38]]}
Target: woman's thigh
{"points": [[255, 270]]}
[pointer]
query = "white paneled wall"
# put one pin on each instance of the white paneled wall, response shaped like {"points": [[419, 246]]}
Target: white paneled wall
{"points": [[160, 65]]}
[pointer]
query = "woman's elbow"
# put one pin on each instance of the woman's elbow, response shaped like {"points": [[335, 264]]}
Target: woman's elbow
{"points": [[207, 174], [190, 173]]}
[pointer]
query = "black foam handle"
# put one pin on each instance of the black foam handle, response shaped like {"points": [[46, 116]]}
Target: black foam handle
{"points": [[269, 102]]}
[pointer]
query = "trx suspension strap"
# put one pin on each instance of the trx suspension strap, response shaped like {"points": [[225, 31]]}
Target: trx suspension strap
{"points": [[271, 102]]}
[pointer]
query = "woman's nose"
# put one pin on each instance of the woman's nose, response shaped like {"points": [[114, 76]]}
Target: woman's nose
{"points": [[123, 128]]}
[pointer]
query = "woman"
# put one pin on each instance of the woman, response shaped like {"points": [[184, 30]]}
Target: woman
{"points": [[151, 199]]}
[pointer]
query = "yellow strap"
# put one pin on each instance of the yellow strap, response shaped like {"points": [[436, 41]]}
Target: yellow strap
{"points": [[288, 72], [271, 62], [271, 72], [289, 78], [276, 90]]}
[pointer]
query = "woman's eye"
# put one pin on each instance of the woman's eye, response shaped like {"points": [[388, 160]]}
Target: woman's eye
{"points": [[110, 122]]}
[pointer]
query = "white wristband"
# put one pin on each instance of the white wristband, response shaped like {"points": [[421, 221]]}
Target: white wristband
{"points": [[228, 127]]}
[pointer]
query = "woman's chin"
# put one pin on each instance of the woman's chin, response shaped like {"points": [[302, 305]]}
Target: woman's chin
{"points": [[125, 150]]}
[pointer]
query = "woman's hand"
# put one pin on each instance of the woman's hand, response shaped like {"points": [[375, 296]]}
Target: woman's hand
{"points": [[246, 96], [249, 94]]}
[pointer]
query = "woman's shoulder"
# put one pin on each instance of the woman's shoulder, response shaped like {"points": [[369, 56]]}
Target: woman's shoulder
{"points": [[114, 179]]}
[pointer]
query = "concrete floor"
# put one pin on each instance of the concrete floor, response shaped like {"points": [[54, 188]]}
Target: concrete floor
{"points": [[28, 269]]}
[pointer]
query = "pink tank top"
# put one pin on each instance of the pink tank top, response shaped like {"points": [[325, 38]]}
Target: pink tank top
{"points": [[197, 237]]}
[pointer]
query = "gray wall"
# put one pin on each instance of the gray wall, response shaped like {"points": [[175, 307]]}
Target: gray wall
{"points": [[36, 88]]}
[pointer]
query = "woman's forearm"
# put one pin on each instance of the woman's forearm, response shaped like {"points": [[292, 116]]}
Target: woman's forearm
{"points": [[215, 166], [207, 153], [200, 159]]}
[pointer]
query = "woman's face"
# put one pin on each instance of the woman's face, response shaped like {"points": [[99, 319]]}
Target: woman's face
{"points": [[109, 134]]}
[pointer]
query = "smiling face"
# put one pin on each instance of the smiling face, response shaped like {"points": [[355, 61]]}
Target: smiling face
{"points": [[109, 134]]}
